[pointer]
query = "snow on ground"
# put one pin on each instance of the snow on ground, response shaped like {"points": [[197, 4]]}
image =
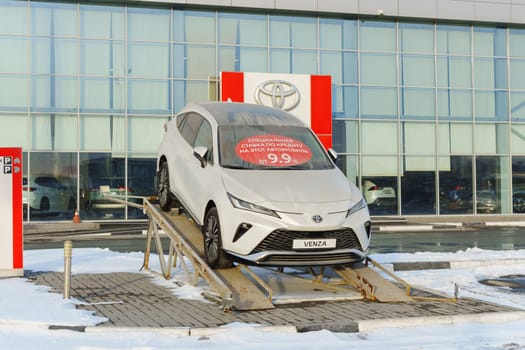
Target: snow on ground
{"points": [[26, 310]]}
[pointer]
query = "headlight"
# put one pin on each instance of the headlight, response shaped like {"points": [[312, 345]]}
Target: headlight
{"points": [[359, 205], [240, 204]]}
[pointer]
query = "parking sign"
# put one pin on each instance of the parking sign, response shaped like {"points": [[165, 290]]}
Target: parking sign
{"points": [[11, 227]]}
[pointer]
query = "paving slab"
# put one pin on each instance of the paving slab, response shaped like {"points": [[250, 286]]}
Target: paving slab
{"points": [[135, 300]]}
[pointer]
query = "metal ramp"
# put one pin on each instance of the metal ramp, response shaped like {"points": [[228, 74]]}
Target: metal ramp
{"points": [[240, 288]]}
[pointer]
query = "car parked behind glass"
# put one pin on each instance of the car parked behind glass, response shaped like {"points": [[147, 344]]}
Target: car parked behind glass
{"points": [[261, 186], [379, 196], [47, 194]]}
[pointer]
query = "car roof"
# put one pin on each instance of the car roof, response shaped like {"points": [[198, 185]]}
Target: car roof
{"points": [[234, 113]]}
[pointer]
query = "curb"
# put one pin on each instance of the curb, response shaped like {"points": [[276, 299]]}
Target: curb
{"points": [[371, 325]]}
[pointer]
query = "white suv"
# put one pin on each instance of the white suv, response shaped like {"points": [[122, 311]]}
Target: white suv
{"points": [[261, 186]]}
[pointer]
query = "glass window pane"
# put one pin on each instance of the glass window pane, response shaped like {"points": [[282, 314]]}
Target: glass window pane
{"points": [[100, 173], [485, 138], [373, 166], [417, 70], [148, 96], [194, 91], [345, 136], [378, 69], [14, 92], [194, 27], [52, 19], [344, 101], [102, 95], [242, 29], [54, 132], [253, 60], [148, 60], [54, 56], [517, 72], [338, 34], [280, 61], [102, 22], [517, 139], [490, 73], [103, 58], [453, 40], [14, 130], [331, 64], [141, 182], [13, 17], [16, 59], [517, 100], [455, 185], [416, 37], [371, 132], [377, 36], [455, 138], [296, 32], [148, 24], [518, 184], [419, 138], [304, 62], [54, 175], [380, 192], [455, 104], [141, 130], [490, 41], [370, 106], [491, 105], [418, 103], [454, 72], [199, 62], [51, 93], [418, 186], [493, 182], [517, 42]]}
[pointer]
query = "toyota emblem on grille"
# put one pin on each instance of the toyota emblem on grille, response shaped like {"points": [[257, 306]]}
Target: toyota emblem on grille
{"points": [[278, 94], [317, 218]]}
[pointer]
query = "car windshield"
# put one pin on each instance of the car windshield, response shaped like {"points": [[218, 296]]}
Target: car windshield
{"points": [[270, 147]]}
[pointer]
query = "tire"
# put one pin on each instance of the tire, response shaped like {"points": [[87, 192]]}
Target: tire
{"points": [[163, 189], [214, 255], [44, 204]]}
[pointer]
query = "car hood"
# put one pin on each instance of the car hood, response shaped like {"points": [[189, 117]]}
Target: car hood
{"points": [[292, 190]]}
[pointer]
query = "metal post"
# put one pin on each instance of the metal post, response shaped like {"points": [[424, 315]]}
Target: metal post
{"points": [[68, 248]]}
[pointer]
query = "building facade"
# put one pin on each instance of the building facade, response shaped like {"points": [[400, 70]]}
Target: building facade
{"points": [[428, 96]]}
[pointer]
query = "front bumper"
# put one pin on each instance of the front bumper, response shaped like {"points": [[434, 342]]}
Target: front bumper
{"points": [[269, 240]]}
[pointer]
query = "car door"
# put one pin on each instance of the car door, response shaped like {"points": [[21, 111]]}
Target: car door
{"points": [[181, 178]]}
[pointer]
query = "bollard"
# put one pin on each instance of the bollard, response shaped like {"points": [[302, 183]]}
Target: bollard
{"points": [[68, 248]]}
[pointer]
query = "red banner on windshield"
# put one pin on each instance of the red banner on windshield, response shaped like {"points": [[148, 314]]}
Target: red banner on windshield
{"points": [[273, 150]]}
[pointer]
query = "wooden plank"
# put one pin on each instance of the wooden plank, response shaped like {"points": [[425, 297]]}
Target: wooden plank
{"points": [[246, 294], [373, 285]]}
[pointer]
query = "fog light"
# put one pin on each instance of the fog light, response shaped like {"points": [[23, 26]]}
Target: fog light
{"points": [[368, 228], [241, 230]]}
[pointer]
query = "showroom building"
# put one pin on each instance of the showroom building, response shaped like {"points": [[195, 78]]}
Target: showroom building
{"points": [[428, 96]]}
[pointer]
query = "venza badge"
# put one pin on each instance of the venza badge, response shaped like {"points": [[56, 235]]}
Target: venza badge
{"points": [[277, 94]]}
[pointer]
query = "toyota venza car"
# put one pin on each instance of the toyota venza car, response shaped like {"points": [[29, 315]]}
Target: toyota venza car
{"points": [[262, 188]]}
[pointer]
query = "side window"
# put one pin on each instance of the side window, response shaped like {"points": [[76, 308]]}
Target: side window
{"points": [[204, 138], [180, 121], [190, 126]]}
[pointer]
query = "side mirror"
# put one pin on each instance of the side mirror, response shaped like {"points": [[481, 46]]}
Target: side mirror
{"points": [[200, 153], [333, 154]]}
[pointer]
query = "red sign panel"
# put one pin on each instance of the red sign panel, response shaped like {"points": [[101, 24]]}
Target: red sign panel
{"points": [[11, 229], [273, 150]]}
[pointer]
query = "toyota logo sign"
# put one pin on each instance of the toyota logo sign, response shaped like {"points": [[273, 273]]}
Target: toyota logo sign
{"points": [[278, 94]]}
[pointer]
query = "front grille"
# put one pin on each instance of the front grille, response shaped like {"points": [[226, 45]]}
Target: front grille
{"points": [[283, 239]]}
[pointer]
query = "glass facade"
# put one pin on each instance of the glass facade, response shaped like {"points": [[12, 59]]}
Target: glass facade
{"points": [[428, 118]]}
